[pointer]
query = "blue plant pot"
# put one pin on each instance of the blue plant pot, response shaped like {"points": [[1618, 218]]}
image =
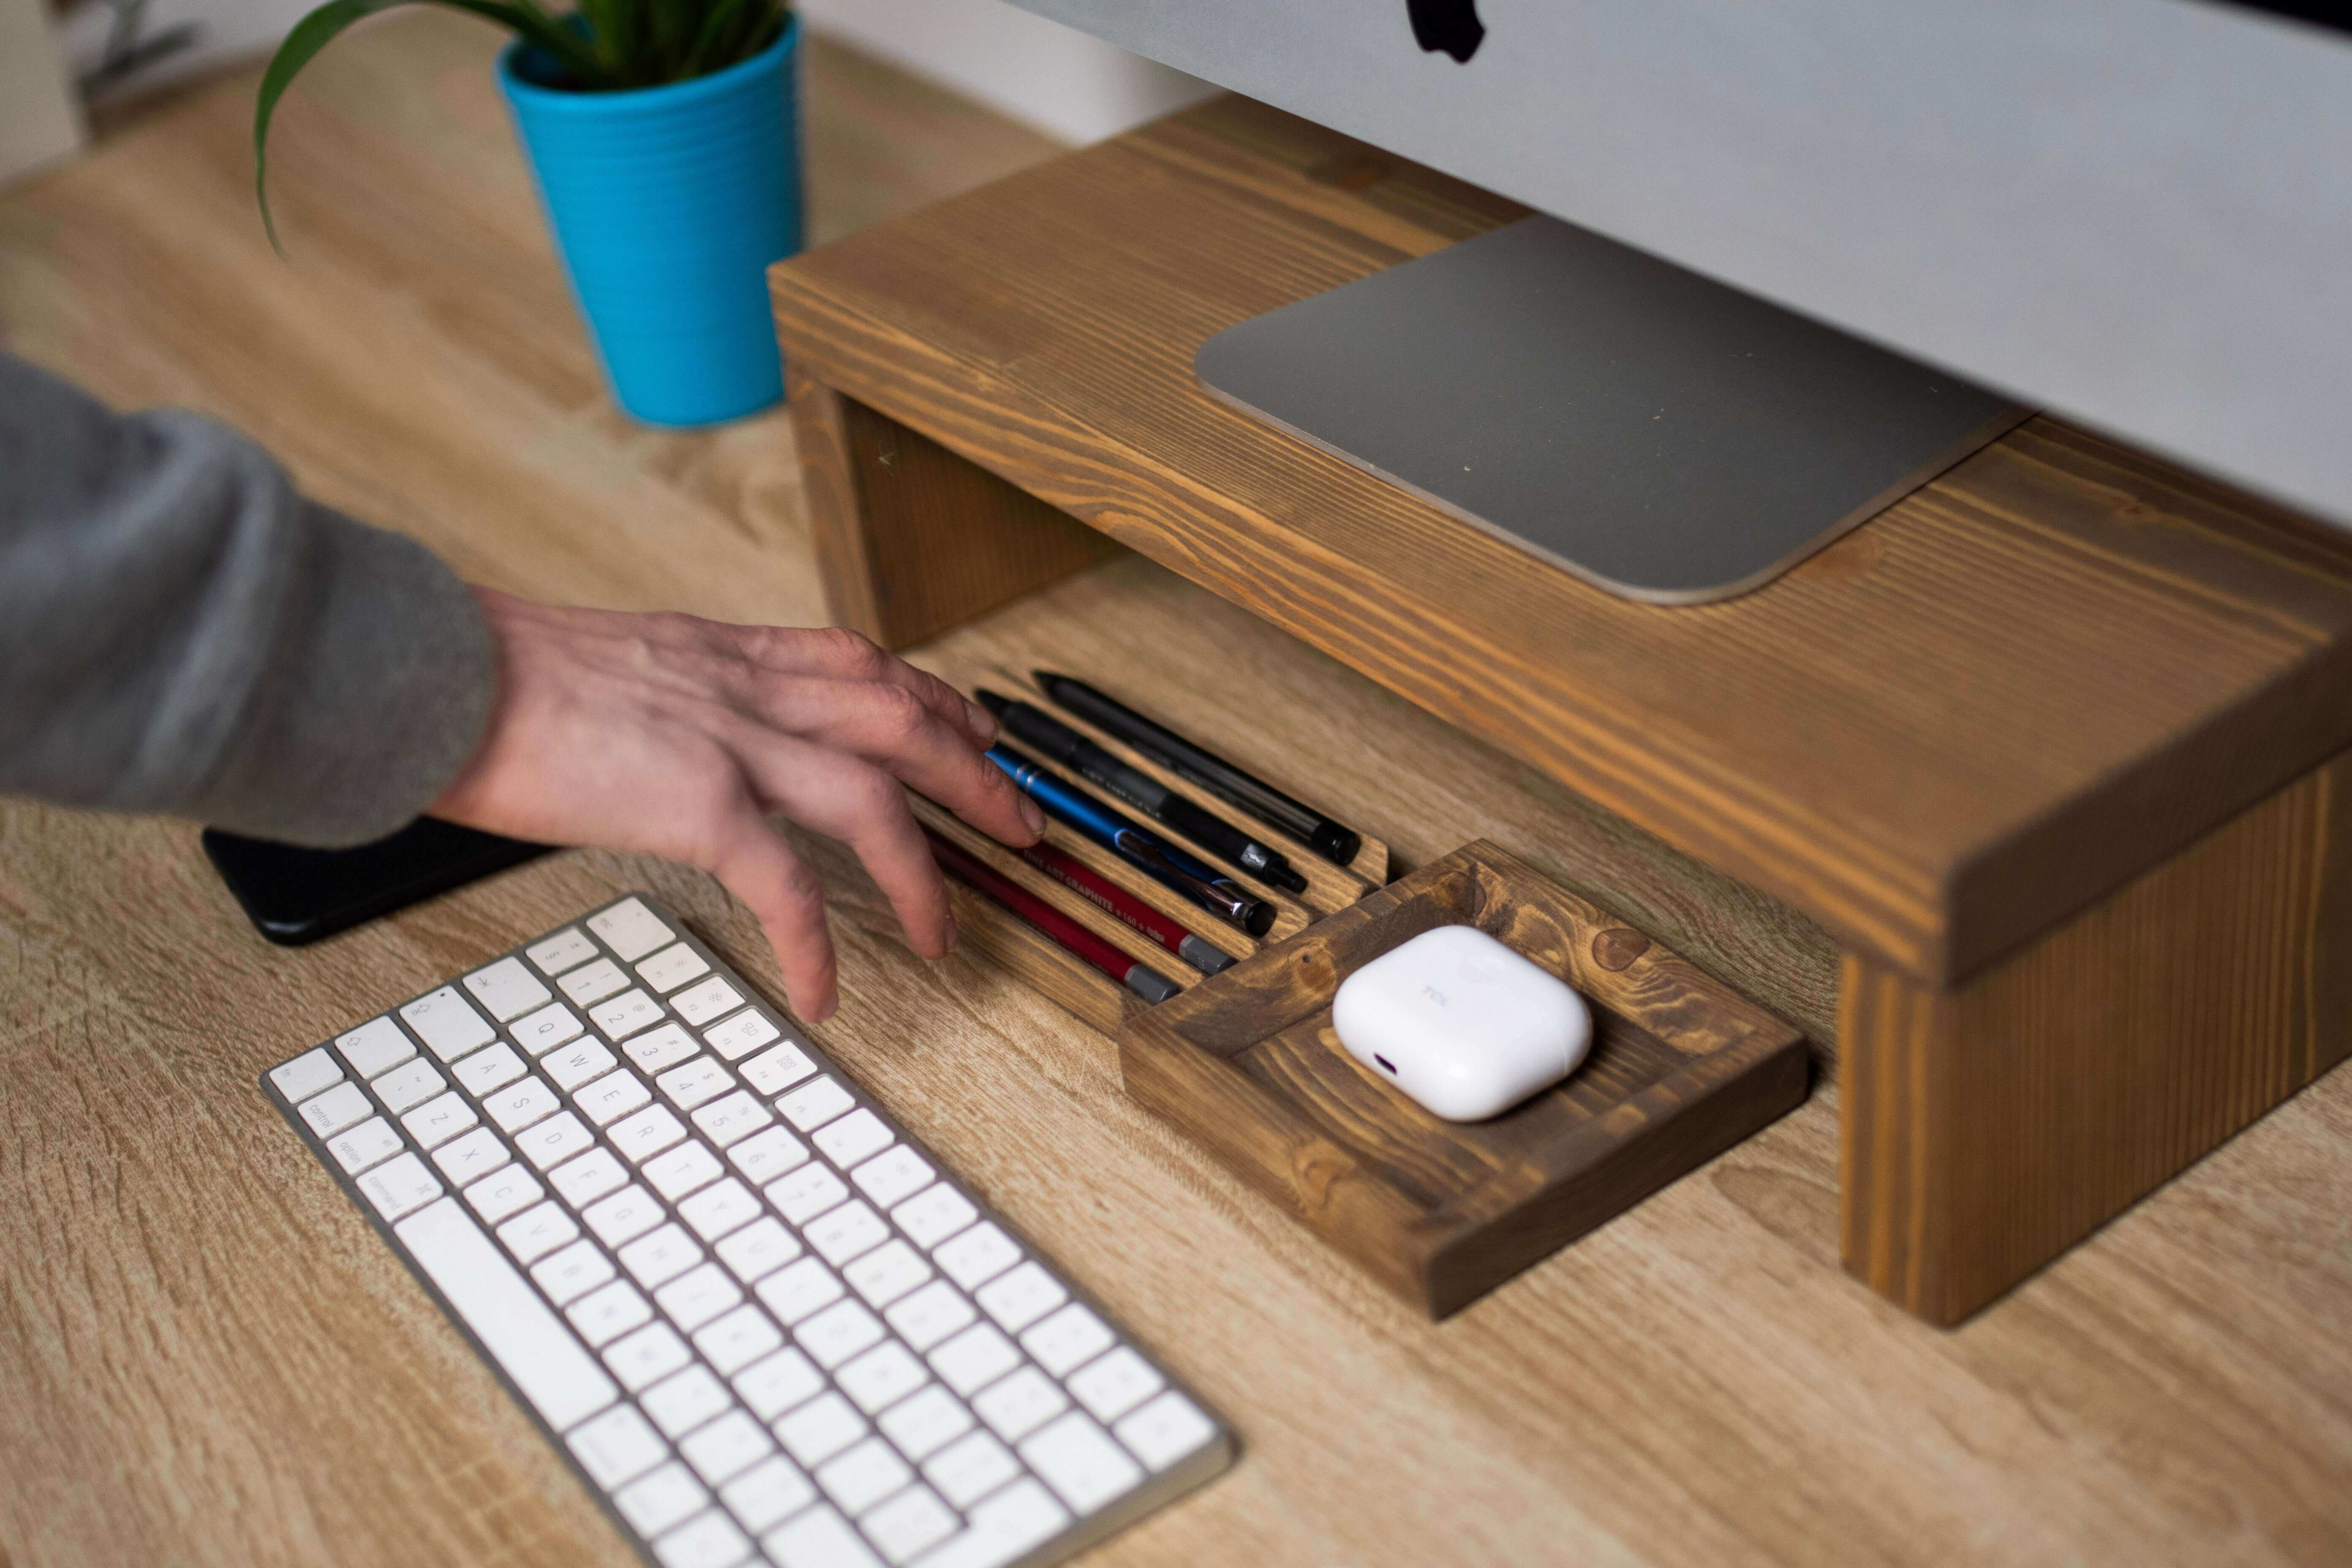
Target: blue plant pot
{"points": [[669, 204]]}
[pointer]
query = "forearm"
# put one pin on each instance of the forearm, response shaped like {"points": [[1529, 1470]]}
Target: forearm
{"points": [[182, 632]]}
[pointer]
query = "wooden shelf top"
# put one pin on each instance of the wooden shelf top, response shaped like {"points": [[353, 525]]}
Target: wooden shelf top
{"points": [[2008, 694]]}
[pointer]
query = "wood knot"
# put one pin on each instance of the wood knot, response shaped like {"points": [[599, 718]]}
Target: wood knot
{"points": [[1617, 947]]}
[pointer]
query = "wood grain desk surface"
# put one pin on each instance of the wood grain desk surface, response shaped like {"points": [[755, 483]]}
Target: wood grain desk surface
{"points": [[2020, 687], [205, 1357]]}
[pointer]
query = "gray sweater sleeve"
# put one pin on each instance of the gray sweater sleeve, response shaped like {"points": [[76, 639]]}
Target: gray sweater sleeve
{"points": [[182, 632]]}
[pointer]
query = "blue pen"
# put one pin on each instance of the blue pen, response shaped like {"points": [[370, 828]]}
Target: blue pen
{"points": [[1147, 852]]}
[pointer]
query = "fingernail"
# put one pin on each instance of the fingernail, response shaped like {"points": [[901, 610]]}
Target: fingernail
{"points": [[1033, 817], [983, 722], [953, 933]]}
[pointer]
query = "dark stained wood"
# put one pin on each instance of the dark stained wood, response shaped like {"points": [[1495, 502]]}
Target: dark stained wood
{"points": [[1988, 1128], [2012, 692], [1441, 1212]]}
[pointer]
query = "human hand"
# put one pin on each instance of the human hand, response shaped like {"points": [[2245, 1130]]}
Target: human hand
{"points": [[677, 735]]}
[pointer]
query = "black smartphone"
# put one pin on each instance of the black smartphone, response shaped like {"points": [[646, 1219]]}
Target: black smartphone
{"points": [[295, 895]]}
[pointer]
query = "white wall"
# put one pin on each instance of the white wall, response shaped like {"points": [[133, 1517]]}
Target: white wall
{"points": [[40, 120]]}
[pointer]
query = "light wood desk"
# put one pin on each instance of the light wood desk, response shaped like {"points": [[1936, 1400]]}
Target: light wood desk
{"points": [[206, 1357]]}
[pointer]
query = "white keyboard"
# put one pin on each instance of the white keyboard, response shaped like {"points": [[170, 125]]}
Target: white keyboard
{"points": [[756, 1315]]}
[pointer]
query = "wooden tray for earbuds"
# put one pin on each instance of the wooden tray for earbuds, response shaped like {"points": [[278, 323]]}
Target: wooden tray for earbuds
{"points": [[1245, 1062]]}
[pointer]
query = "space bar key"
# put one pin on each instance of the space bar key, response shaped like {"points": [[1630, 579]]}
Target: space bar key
{"points": [[529, 1343]]}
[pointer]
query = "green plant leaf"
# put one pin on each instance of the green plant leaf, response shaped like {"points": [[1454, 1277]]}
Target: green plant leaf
{"points": [[711, 46]]}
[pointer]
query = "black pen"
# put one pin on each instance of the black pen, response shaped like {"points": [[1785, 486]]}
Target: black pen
{"points": [[1319, 833], [1028, 722]]}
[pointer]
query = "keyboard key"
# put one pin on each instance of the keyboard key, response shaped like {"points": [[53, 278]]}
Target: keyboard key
{"points": [[573, 1065], [521, 1104], [775, 1385], [714, 998], [764, 1156], [819, 1539], [555, 1139], [838, 1333], [409, 1085], [366, 1144], [974, 1359], [1020, 1297], [932, 1314], [604, 1315], [934, 1215], [773, 1071], [923, 1425], [438, 1120], [882, 1376], [745, 1032], [617, 1446], [1113, 1385], [806, 1193], [375, 1046], [477, 1153], [1077, 1459], [630, 930], [542, 1031], [611, 1097], [758, 1249], [820, 1430], [978, 1255], [345, 1105], [737, 1339], [658, 1048], [682, 1170], [624, 1015], [1068, 1338], [794, 1292], [768, 1491], [626, 1216], [813, 1105], [686, 1400], [731, 1117], [710, 1541], [505, 989], [584, 1180], [698, 1296], [908, 1522], [727, 1446], [400, 1184], [844, 1233], [572, 1272], [594, 982], [560, 952], [483, 1071], [715, 1211], [972, 1468], [534, 1232], [892, 1176], [861, 1477], [659, 1256], [1165, 1430], [671, 968], [886, 1273], [659, 1499], [1018, 1404], [502, 1193], [699, 1079], [853, 1138], [648, 1355], [447, 1024], [647, 1133]]}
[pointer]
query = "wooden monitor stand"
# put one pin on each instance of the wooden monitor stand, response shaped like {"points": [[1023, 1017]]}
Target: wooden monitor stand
{"points": [[2056, 748]]}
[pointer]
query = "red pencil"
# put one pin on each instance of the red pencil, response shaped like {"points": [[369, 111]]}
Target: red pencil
{"points": [[1121, 905], [1064, 932]]}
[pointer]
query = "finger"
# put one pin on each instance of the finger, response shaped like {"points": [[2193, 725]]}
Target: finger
{"points": [[759, 868]]}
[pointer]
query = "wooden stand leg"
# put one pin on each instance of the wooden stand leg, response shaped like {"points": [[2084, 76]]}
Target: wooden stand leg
{"points": [[1988, 1128], [912, 539]]}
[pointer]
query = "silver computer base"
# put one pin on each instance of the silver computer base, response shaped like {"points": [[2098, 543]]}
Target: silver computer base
{"points": [[1656, 433]]}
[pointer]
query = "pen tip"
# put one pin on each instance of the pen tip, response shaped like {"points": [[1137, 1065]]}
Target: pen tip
{"points": [[1287, 879], [1045, 679], [995, 702]]}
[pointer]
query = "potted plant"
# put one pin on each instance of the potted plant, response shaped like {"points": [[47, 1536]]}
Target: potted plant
{"points": [[664, 137]]}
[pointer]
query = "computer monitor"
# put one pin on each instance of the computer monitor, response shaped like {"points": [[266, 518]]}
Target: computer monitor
{"points": [[2135, 213]]}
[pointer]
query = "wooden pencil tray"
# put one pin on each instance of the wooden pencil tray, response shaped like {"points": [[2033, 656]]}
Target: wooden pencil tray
{"points": [[1245, 1062]]}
